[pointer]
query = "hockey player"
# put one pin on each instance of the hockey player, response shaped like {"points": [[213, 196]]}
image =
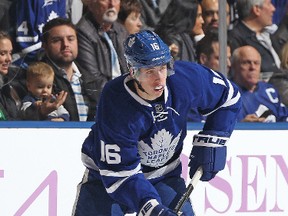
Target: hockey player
{"points": [[132, 153]]}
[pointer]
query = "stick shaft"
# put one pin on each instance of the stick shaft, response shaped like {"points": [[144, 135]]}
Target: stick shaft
{"points": [[189, 189]]}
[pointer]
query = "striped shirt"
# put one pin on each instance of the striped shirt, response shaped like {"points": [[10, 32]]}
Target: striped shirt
{"points": [[82, 106]]}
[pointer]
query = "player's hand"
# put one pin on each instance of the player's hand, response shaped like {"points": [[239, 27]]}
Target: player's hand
{"points": [[153, 208], [162, 211], [211, 158]]}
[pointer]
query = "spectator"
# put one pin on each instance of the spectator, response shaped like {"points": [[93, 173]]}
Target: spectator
{"points": [[61, 49], [208, 51], [280, 36], [255, 16], [40, 103], [12, 81], [260, 100], [175, 28], [280, 80], [29, 17], [210, 10], [130, 15], [197, 31], [152, 11], [100, 38]]}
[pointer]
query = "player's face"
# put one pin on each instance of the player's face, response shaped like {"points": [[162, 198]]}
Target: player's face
{"points": [[133, 23], [62, 45], [5, 55], [153, 81], [41, 87]]}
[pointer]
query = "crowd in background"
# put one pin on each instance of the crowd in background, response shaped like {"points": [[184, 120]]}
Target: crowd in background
{"points": [[56, 56]]}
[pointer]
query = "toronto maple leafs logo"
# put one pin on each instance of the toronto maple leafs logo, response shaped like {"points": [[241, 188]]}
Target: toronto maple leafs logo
{"points": [[161, 150]]}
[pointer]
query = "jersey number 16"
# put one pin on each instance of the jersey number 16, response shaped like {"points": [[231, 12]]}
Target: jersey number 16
{"points": [[109, 153]]}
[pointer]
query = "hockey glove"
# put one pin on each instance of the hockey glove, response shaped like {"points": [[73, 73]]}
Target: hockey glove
{"points": [[210, 153], [153, 208]]}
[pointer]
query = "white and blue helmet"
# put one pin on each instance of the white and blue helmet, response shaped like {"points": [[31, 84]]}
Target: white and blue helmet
{"points": [[145, 50]]}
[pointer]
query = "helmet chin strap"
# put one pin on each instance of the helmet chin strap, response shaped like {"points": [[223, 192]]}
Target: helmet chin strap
{"points": [[133, 73], [140, 86]]}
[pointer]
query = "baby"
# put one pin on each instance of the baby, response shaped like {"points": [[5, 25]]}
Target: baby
{"points": [[40, 103]]}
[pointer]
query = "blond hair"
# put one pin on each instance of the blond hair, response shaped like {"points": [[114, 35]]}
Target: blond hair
{"points": [[284, 56], [39, 69]]}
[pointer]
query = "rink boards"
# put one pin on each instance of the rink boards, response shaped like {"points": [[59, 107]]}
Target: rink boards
{"points": [[40, 167]]}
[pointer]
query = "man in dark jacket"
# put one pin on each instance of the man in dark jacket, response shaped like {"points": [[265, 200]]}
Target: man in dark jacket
{"points": [[254, 29], [99, 36], [61, 49]]}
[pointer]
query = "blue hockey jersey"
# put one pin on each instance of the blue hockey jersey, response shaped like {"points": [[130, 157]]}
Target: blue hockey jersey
{"points": [[135, 143], [31, 16], [264, 98]]}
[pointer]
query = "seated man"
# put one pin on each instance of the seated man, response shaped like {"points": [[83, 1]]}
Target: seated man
{"points": [[208, 51], [210, 11], [261, 101], [100, 41], [61, 49], [254, 29]]}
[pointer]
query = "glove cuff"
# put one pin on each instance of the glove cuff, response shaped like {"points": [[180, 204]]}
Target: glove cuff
{"points": [[209, 140], [148, 207]]}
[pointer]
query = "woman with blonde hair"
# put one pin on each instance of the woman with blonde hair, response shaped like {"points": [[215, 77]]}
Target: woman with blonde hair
{"points": [[12, 81]]}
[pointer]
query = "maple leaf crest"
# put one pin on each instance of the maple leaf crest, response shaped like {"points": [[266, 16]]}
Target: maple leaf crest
{"points": [[161, 150]]}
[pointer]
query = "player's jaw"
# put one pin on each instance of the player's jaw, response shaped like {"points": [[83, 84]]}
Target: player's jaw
{"points": [[152, 91]]}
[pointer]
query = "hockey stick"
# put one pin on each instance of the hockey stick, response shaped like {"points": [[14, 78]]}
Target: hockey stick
{"points": [[189, 190]]}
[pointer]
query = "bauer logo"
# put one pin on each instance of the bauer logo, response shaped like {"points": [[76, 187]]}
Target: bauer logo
{"points": [[158, 58], [209, 140]]}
